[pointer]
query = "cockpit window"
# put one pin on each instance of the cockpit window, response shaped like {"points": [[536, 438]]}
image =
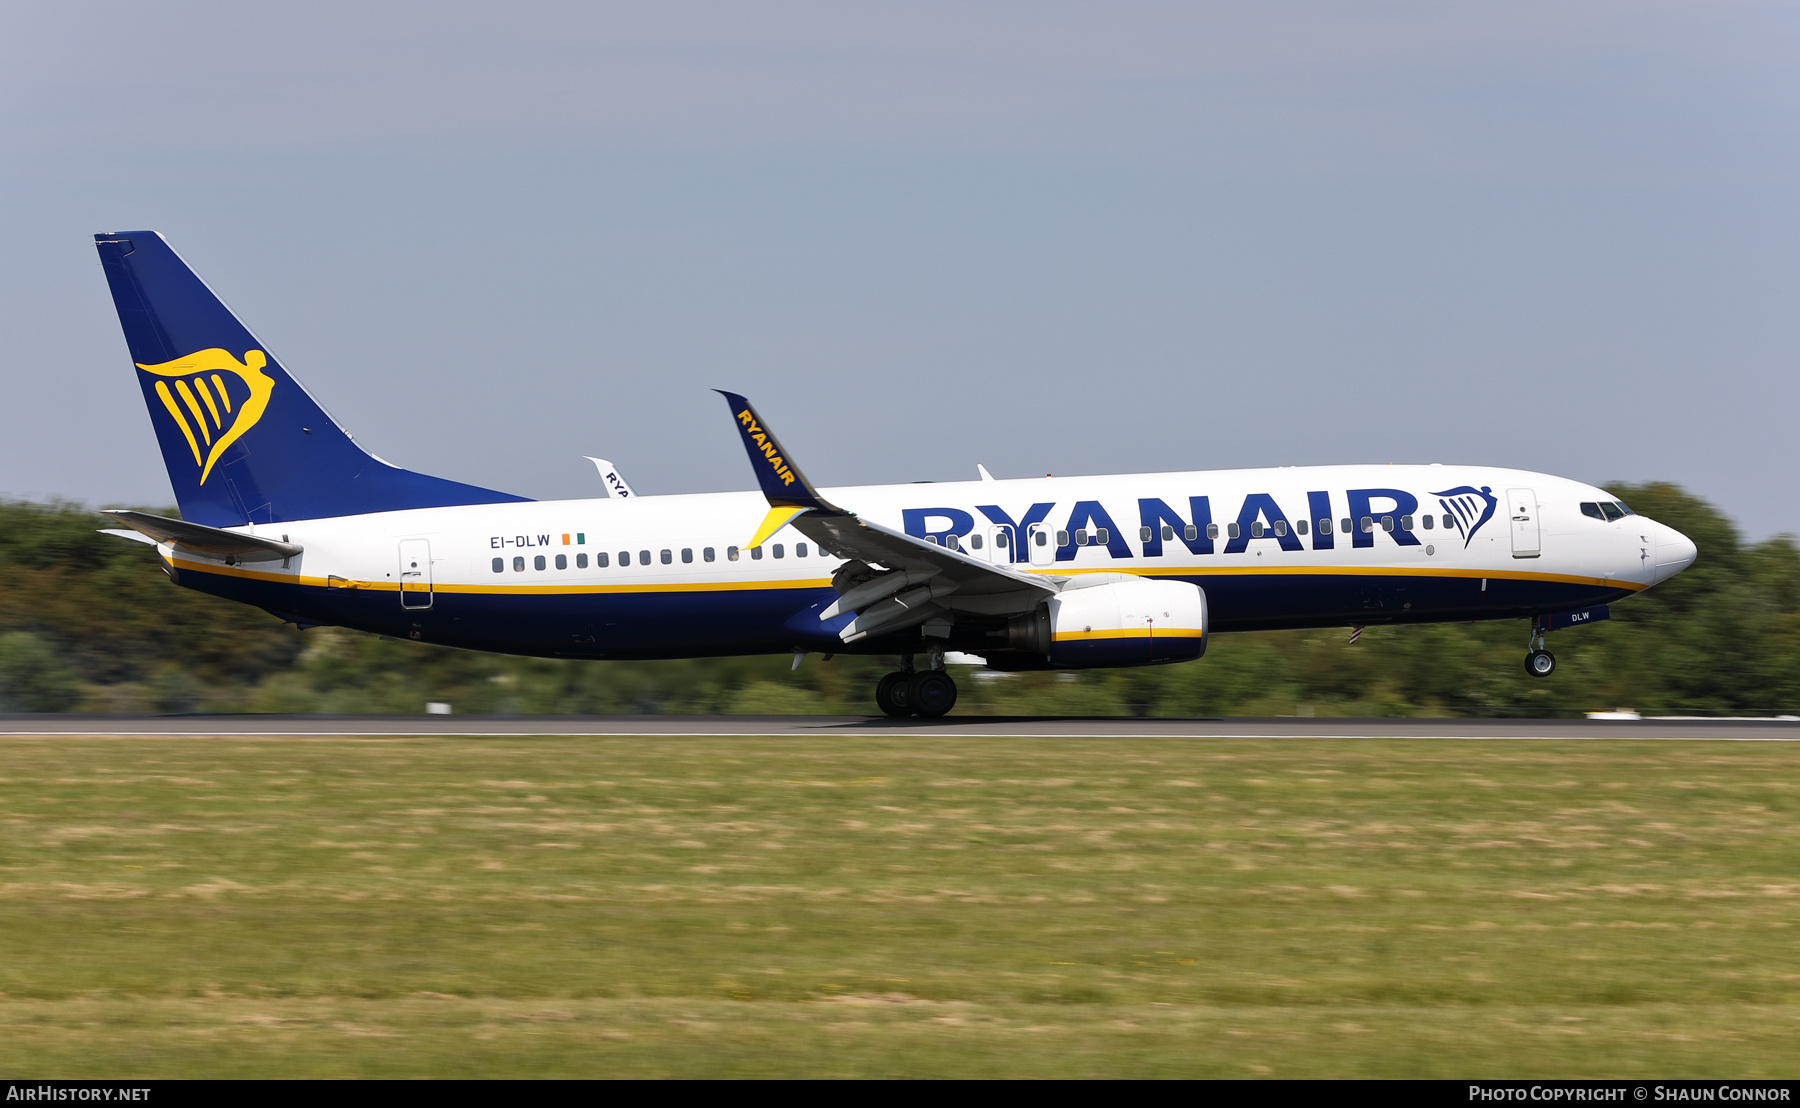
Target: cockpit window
{"points": [[1623, 508], [1592, 510], [1611, 510]]}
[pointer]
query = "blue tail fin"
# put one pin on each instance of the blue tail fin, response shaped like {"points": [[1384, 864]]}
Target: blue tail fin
{"points": [[242, 440]]}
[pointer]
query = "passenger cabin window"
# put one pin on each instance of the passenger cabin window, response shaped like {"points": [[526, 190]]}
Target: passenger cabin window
{"points": [[707, 554], [756, 553], [1190, 533], [581, 561], [537, 562], [1256, 529], [601, 559], [1231, 529], [1387, 523], [1062, 538], [1368, 525], [643, 557], [1281, 528], [1324, 527], [731, 553], [1041, 539], [518, 565], [1143, 534], [499, 565], [562, 561], [1300, 526], [1405, 523], [687, 554], [1344, 525], [780, 551], [974, 542], [1167, 532], [1427, 520], [1212, 530], [799, 550], [1611, 510], [1449, 521], [624, 557], [1081, 537], [1102, 537]]}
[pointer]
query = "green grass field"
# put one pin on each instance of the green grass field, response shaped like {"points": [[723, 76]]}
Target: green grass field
{"points": [[906, 906]]}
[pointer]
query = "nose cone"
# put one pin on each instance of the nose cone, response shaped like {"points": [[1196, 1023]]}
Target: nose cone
{"points": [[1674, 551]]}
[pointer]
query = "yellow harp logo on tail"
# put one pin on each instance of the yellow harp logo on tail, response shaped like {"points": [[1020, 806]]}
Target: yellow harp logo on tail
{"points": [[204, 400]]}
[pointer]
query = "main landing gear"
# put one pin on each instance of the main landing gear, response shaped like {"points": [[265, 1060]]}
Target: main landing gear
{"points": [[928, 693], [1538, 661]]}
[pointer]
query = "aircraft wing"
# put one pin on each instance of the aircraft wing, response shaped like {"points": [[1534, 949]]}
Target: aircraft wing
{"points": [[892, 580], [206, 540]]}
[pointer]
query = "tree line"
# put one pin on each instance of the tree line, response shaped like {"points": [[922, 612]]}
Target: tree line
{"points": [[89, 623]]}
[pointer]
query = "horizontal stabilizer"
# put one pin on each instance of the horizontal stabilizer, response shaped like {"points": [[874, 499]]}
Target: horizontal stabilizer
{"points": [[206, 540], [121, 533]]}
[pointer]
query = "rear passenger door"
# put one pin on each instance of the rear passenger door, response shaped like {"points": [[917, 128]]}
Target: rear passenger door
{"points": [[415, 573]]}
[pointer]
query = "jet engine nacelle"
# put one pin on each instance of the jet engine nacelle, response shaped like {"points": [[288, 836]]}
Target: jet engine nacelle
{"points": [[1128, 621]]}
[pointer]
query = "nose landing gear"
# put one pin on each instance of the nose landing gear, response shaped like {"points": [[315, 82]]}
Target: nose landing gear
{"points": [[1538, 661], [929, 693]]}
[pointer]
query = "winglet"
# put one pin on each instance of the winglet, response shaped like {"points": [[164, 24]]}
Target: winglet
{"points": [[781, 480], [616, 487]]}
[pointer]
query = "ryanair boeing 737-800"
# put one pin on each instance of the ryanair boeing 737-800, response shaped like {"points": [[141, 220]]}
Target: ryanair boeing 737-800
{"points": [[282, 509]]}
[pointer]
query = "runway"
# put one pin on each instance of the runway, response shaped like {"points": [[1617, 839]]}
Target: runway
{"points": [[971, 727]]}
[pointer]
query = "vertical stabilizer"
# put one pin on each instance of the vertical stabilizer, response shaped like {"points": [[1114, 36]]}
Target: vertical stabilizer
{"points": [[242, 440]]}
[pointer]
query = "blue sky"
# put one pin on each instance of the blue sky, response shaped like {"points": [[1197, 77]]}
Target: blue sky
{"points": [[1047, 237]]}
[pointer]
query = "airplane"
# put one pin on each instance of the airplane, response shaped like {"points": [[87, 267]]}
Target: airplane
{"points": [[282, 509]]}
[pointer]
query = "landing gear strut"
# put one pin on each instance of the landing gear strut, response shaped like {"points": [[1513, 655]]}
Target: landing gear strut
{"points": [[1538, 661], [928, 693]]}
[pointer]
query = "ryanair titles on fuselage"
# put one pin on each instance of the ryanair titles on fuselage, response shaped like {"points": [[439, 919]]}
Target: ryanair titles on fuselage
{"points": [[1395, 512]]}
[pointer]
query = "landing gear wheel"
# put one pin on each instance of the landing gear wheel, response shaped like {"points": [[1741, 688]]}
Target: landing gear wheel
{"points": [[931, 693], [890, 694], [1540, 663]]}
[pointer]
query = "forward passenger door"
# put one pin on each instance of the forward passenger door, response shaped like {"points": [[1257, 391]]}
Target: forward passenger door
{"points": [[1522, 514]]}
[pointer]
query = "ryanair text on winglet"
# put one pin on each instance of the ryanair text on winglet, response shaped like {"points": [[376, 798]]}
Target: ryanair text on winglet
{"points": [[756, 432]]}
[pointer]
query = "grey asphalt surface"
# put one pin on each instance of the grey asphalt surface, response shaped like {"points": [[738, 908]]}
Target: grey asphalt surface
{"points": [[268, 726]]}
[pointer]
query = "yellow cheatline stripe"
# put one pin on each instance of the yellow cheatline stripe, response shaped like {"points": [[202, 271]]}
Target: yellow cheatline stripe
{"points": [[1131, 633], [206, 395], [773, 522], [500, 590], [187, 396], [162, 392], [1358, 571], [224, 397]]}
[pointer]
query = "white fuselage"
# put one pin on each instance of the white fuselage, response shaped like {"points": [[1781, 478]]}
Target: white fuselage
{"points": [[662, 576]]}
